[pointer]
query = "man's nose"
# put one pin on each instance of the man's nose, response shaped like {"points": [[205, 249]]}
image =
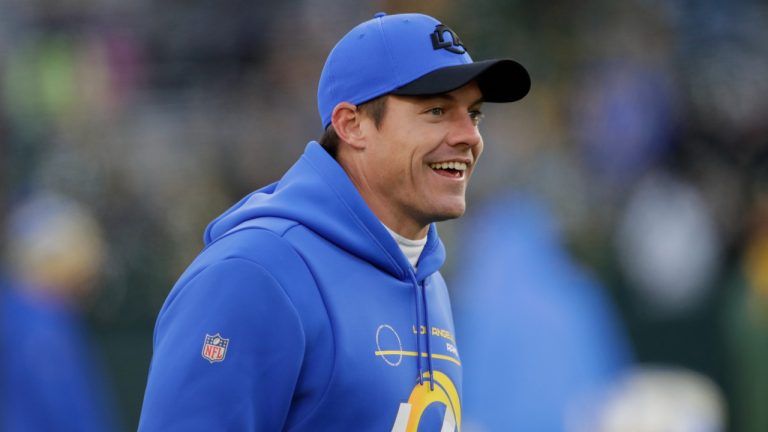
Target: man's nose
{"points": [[464, 131]]}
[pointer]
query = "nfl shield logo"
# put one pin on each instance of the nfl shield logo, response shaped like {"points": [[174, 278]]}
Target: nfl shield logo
{"points": [[215, 348]]}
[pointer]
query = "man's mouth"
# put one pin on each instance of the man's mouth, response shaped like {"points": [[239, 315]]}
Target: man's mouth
{"points": [[453, 169]]}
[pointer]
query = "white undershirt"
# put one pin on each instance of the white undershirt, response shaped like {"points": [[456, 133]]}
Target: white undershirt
{"points": [[411, 248]]}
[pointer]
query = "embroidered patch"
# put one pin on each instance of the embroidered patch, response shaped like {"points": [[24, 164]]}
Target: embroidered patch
{"points": [[215, 348], [452, 44]]}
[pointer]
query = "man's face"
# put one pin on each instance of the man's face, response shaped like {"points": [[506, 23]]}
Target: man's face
{"points": [[417, 163]]}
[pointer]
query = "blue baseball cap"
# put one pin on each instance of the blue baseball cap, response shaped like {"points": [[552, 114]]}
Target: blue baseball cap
{"points": [[410, 54]]}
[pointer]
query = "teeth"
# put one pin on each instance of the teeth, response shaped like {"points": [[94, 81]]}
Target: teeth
{"points": [[459, 166]]}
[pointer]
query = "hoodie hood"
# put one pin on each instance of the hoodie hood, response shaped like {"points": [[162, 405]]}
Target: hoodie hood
{"points": [[317, 193]]}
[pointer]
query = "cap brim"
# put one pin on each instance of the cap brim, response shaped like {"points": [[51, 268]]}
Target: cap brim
{"points": [[499, 80]]}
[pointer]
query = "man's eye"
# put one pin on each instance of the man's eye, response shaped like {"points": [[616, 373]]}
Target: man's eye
{"points": [[436, 111], [476, 116]]}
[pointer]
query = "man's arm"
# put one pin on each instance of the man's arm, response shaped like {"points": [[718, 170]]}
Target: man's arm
{"points": [[227, 355]]}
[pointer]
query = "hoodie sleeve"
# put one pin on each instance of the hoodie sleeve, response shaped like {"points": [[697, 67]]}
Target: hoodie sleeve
{"points": [[227, 354]]}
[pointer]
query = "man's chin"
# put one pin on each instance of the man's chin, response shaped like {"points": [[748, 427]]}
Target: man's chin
{"points": [[449, 212]]}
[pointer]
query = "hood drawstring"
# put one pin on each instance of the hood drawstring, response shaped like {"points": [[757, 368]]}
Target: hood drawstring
{"points": [[421, 302], [429, 336], [417, 328]]}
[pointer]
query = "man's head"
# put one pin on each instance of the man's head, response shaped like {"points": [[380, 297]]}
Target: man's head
{"points": [[400, 97]]}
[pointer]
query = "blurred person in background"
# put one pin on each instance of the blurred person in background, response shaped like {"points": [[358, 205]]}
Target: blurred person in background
{"points": [[541, 340], [50, 379], [317, 303]]}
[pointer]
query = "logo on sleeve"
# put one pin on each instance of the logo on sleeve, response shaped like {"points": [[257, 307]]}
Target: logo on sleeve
{"points": [[215, 348]]}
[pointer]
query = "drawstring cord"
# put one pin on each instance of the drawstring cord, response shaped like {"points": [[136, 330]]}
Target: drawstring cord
{"points": [[421, 302], [417, 328], [429, 334]]}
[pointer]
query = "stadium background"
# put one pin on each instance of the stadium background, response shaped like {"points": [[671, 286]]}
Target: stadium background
{"points": [[644, 137]]}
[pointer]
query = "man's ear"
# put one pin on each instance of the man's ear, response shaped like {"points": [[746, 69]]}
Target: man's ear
{"points": [[346, 121]]}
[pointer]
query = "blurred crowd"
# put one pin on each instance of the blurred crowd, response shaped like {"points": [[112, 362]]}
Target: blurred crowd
{"points": [[625, 199]]}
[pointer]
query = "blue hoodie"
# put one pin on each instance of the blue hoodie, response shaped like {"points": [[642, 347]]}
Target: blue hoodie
{"points": [[302, 314]]}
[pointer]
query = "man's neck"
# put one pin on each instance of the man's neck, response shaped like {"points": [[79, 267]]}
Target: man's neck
{"points": [[411, 248]]}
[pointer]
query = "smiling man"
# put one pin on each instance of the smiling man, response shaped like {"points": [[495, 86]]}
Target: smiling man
{"points": [[317, 303]]}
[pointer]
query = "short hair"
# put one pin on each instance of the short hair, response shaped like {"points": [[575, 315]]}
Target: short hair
{"points": [[374, 108]]}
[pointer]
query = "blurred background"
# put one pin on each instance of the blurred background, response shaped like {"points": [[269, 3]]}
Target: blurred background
{"points": [[611, 272]]}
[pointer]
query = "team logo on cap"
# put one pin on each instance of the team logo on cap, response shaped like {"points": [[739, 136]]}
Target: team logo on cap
{"points": [[453, 44], [215, 348]]}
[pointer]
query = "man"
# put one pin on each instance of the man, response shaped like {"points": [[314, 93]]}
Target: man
{"points": [[50, 376], [317, 303]]}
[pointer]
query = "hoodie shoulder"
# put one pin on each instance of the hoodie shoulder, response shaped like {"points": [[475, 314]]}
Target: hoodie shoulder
{"points": [[261, 241]]}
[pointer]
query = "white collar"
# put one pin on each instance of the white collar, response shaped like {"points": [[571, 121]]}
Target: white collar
{"points": [[411, 248]]}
